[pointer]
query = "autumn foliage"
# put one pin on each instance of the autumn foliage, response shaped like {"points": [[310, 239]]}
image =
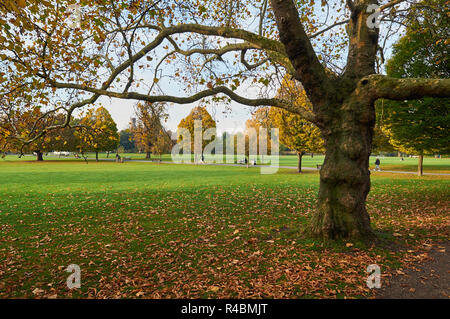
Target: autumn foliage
{"points": [[297, 133]]}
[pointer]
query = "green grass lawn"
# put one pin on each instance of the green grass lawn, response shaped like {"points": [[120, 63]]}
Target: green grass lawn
{"points": [[166, 231], [431, 164]]}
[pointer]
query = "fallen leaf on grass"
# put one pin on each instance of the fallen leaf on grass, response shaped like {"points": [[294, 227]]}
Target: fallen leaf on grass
{"points": [[37, 291], [214, 288]]}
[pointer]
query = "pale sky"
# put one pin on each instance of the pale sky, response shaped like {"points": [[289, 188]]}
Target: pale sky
{"points": [[230, 118], [122, 110]]}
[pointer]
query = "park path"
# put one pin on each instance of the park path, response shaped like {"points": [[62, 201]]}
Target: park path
{"points": [[428, 280], [288, 167]]}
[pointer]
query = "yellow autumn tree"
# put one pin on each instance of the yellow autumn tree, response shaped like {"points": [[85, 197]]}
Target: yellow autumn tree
{"points": [[146, 128], [296, 133], [98, 132], [260, 120], [199, 113], [163, 143]]}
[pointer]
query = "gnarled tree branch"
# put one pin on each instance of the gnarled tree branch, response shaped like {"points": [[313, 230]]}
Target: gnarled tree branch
{"points": [[384, 87], [191, 99], [309, 70]]}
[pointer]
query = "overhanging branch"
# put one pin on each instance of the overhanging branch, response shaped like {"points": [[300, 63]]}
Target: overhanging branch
{"points": [[384, 87], [191, 99]]}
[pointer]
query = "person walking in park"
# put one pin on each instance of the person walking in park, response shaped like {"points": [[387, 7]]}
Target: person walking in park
{"points": [[377, 165]]}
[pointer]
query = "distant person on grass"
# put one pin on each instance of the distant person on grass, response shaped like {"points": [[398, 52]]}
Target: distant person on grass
{"points": [[377, 165]]}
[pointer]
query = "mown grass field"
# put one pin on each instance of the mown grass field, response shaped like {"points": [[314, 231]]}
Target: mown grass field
{"points": [[409, 164], [144, 230]]}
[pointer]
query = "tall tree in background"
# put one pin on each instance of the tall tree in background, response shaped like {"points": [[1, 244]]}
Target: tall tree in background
{"points": [[99, 132], [198, 113], [381, 141], [163, 143], [420, 126], [296, 132], [148, 125], [214, 51], [260, 120], [127, 141], [424, 51], [63, 139]]}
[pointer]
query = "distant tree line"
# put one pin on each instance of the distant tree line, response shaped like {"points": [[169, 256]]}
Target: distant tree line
{"points": [[93, 131]]}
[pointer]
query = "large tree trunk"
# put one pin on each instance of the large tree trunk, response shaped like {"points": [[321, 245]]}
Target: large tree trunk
{"points": [[420, 166], [96, 156], [343, 109], [39, 156], [345, 175], [299, 166]]}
